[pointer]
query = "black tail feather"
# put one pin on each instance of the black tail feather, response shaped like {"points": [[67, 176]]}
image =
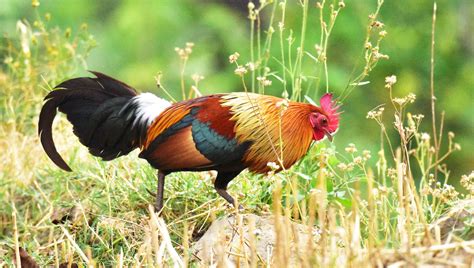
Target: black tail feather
{"points": [[98, 110], [48, 112]]}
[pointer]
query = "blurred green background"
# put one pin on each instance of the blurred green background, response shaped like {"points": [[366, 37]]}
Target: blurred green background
{"points": [[136, 39]]}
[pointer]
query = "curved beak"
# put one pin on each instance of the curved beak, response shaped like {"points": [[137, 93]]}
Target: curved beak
{"points": [[328, 135]]}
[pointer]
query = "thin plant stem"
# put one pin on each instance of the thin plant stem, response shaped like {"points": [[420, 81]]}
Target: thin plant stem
{"points": [[252, 53], [433, 98], [300, 53], [282, 47], [183, 67]]}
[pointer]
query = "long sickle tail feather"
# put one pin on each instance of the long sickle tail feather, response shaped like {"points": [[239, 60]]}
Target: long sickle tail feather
{"points": [[48, 112]]}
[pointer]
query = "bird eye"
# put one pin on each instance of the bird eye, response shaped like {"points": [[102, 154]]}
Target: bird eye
{"points": [[324, 121]]}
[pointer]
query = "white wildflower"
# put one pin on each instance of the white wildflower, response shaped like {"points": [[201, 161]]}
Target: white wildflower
{"points": [[411, 97], [240, 70], [342, 166], [358, 160], [234, 57], [264, 81], [273, 165], [251, 66], [351, 148], [425, 136], [457, 147], [390, 80], [400, 101], [197, 77]]}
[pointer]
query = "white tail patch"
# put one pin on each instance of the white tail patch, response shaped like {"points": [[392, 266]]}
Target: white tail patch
{"points": [[149, 107]]}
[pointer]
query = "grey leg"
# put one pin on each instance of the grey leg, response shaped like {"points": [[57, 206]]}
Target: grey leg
{"points": [[159, 191], [221, 186]]}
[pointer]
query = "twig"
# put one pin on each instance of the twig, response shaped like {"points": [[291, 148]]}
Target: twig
{"points": [[166, 238], [15, 237], [75, 245], [417, 250]]}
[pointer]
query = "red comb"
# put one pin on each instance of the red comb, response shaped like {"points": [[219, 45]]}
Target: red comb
{"points": [[330, 108]]}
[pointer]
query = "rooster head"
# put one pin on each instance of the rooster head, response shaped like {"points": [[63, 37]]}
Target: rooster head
{"points": [[325, 121]]}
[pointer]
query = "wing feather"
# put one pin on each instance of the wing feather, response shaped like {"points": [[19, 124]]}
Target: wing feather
{"points": [[178, 153], [168, 118]]}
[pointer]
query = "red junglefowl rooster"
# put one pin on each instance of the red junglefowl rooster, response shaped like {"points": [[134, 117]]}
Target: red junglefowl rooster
{"points": [[222, 132]]}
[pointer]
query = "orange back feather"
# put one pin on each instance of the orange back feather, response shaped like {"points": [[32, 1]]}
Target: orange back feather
{"points": [[169, 117]]}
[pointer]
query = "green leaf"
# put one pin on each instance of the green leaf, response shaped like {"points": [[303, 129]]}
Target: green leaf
{"points": [[347, 203]]}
